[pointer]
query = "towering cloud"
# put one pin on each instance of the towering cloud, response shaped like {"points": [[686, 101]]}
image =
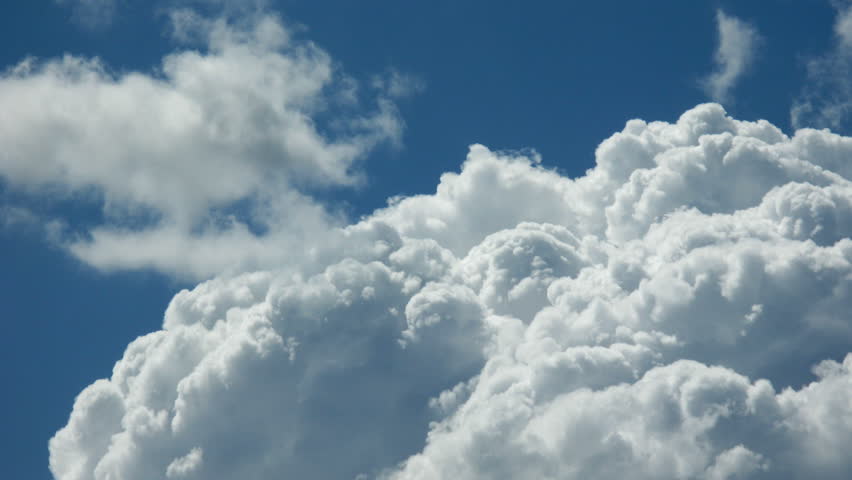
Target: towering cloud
{"points": [[681, 311]]}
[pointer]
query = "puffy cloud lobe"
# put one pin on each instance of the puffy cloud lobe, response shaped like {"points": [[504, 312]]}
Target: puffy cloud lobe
{"points": [[681, 311]]}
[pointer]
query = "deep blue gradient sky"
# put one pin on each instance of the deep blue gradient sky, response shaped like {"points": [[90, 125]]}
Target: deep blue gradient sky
{"points": [[558, 77]]}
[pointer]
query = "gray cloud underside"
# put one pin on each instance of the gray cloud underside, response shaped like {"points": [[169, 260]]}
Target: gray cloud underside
{"points": [[679, 312]]}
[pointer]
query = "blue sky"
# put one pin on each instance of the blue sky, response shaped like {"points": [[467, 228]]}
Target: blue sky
{"points": [[556, 77]]}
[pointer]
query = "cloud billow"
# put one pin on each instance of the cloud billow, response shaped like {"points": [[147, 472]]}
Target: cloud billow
{"points": [[681, 311]]}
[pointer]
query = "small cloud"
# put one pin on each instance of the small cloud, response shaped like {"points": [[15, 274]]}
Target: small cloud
{"points": [[396, 84], [737, 44], [843, 26], [826, 98], [20, 219], [183, 466], [91, 14]]}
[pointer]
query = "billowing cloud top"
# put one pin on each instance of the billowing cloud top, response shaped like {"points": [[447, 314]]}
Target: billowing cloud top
{"points": [[681, 311]]}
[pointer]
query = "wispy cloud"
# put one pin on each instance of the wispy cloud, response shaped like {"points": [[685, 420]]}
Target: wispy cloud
{"points": [[92, 14], [738, 42], [826, 98]]}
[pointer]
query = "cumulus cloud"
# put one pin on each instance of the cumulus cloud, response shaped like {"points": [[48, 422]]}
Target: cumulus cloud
{"points": [[681, 311], [193, 163], [826, 98], [734, 55]]}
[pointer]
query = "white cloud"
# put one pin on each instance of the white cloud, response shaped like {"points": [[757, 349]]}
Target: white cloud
{"points": [[398, 84], [184, 466], [681, 311], [193, 160], [826, 98], [734, 55]]}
